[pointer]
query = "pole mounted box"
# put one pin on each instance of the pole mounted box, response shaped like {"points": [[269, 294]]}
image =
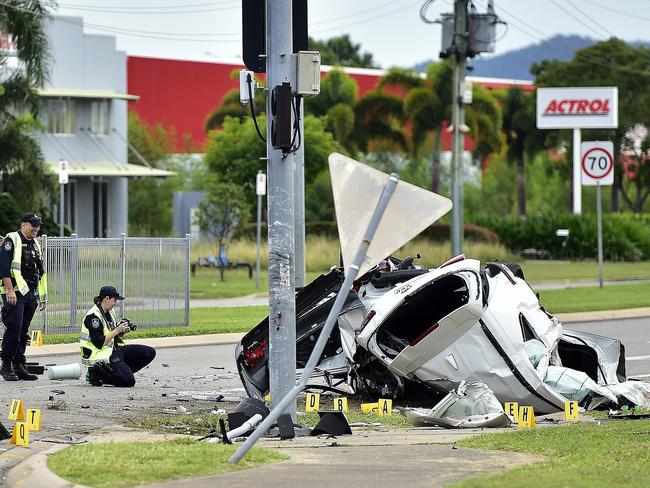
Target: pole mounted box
{"points": [[308, 70], [281, 117], [246, 87]]}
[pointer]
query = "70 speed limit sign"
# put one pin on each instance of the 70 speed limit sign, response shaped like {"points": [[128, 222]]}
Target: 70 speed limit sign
{"points": [[597, 163]]}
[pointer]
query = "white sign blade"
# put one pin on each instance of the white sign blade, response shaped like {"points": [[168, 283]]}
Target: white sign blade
{"points": [[597, 163], [357, 188]]}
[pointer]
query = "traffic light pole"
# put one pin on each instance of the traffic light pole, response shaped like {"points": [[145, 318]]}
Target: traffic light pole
{"points": [[458, 121], [282, 302]]}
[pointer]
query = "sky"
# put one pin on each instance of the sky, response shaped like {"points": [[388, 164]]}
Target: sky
{"points": [[392, 31]]}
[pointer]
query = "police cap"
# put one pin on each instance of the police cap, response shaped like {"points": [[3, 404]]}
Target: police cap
{"points": [[32, 218], [109, 291]]}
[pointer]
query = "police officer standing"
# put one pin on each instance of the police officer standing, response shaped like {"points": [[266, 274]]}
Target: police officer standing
{"points": [[24, 285]]}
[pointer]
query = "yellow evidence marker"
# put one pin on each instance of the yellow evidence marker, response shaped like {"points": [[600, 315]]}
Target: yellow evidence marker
{"points": [[511, 409], [267, 397], [385, 407], [341, 404], [369, 407], [526, 418], [33, 419], [37, 338], [312, 402], [571, 411], [20, 435], [17, 410]]}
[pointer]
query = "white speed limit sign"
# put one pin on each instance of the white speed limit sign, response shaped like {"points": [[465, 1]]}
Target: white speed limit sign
{"points": [[597, 163]]}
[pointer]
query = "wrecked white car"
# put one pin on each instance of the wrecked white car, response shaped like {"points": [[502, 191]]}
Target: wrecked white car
{"points": [[405, 331]]}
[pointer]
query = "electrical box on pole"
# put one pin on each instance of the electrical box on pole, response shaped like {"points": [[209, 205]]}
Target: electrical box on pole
{"points": [[281, 108]]}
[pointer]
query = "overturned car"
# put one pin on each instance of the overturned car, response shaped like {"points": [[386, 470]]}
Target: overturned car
{"points": [[407, 331]]}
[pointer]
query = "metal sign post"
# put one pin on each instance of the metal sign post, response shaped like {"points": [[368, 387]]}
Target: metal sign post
{"points": [[260, 188], [63, 180], [597, 163]]}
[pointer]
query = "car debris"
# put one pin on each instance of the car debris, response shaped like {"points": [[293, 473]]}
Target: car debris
{"points": [[409, 332], [472, 405]]}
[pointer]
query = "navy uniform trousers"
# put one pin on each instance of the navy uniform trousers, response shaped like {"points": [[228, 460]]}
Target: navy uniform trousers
{"points": [[16, 319], [127, 360]]}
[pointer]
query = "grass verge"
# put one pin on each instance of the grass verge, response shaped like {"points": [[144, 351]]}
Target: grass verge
{"points": [[611, 297], [202, 321], [612, 453], [204, 423], [150, 462]]}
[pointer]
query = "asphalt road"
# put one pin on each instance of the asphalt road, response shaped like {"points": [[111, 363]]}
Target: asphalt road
{"points": [[200, 379]]}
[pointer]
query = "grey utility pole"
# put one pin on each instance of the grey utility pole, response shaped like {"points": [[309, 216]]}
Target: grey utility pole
{"points": [[299, 188], [460, 37], [282, 301]]}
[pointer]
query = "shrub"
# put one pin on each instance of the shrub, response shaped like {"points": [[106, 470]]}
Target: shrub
{"points": [[626, 237]]}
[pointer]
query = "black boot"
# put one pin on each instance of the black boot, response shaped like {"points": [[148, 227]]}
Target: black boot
{"points": [[7, 372], [21, 371]]}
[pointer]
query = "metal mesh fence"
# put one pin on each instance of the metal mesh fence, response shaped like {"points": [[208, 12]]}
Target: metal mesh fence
{"points": [[152, 273]]}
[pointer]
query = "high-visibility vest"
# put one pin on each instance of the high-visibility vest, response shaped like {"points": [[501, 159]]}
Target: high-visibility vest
{"points": [[16, 273], [104, 353]]}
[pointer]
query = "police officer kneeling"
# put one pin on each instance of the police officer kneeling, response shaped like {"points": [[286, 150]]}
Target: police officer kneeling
{"points": [[110, 361]]}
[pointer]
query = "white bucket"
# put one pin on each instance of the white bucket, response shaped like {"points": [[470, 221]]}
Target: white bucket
{"points": [[70, 371]]}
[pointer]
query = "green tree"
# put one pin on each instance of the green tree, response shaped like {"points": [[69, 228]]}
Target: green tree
{"points": [[22, 171], [341, 51], [231, 106], [150, 199], [426, 106], [607, 63], [235, 151], [518, 126], [636, 159], [222, 209]]}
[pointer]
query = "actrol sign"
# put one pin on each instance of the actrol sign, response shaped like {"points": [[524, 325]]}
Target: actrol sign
{"points": [[577, 108]]}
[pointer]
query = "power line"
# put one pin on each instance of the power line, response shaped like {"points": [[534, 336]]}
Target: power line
{"points": [[112, 10], [354, 14], [577, 19], [145, 7], [584, 14], [370, 18], [619, 12], [585, 57]]}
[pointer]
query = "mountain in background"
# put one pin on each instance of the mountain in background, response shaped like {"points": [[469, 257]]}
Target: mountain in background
{"points": [[516, 64]]}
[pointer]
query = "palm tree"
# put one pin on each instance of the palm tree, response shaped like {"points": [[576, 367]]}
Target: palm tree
{"points": [[427, 106], [22, 173], [518, 126]]}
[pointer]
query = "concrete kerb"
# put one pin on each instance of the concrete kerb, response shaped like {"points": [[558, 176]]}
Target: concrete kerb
{"points": [[235, 338]]}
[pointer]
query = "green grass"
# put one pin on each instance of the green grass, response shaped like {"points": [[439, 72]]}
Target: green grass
{"points": [[202, 321], [541, 271], [205, 423], [610, 297], [117, 465], [614, 453], [207, 283]]}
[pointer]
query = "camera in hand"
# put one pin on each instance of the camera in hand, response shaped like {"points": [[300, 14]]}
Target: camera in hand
{"points": [[128, 323]]}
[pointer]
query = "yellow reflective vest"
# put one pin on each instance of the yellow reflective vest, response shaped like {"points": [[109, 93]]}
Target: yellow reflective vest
{"points": [[21, 284], [97, 355]]}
